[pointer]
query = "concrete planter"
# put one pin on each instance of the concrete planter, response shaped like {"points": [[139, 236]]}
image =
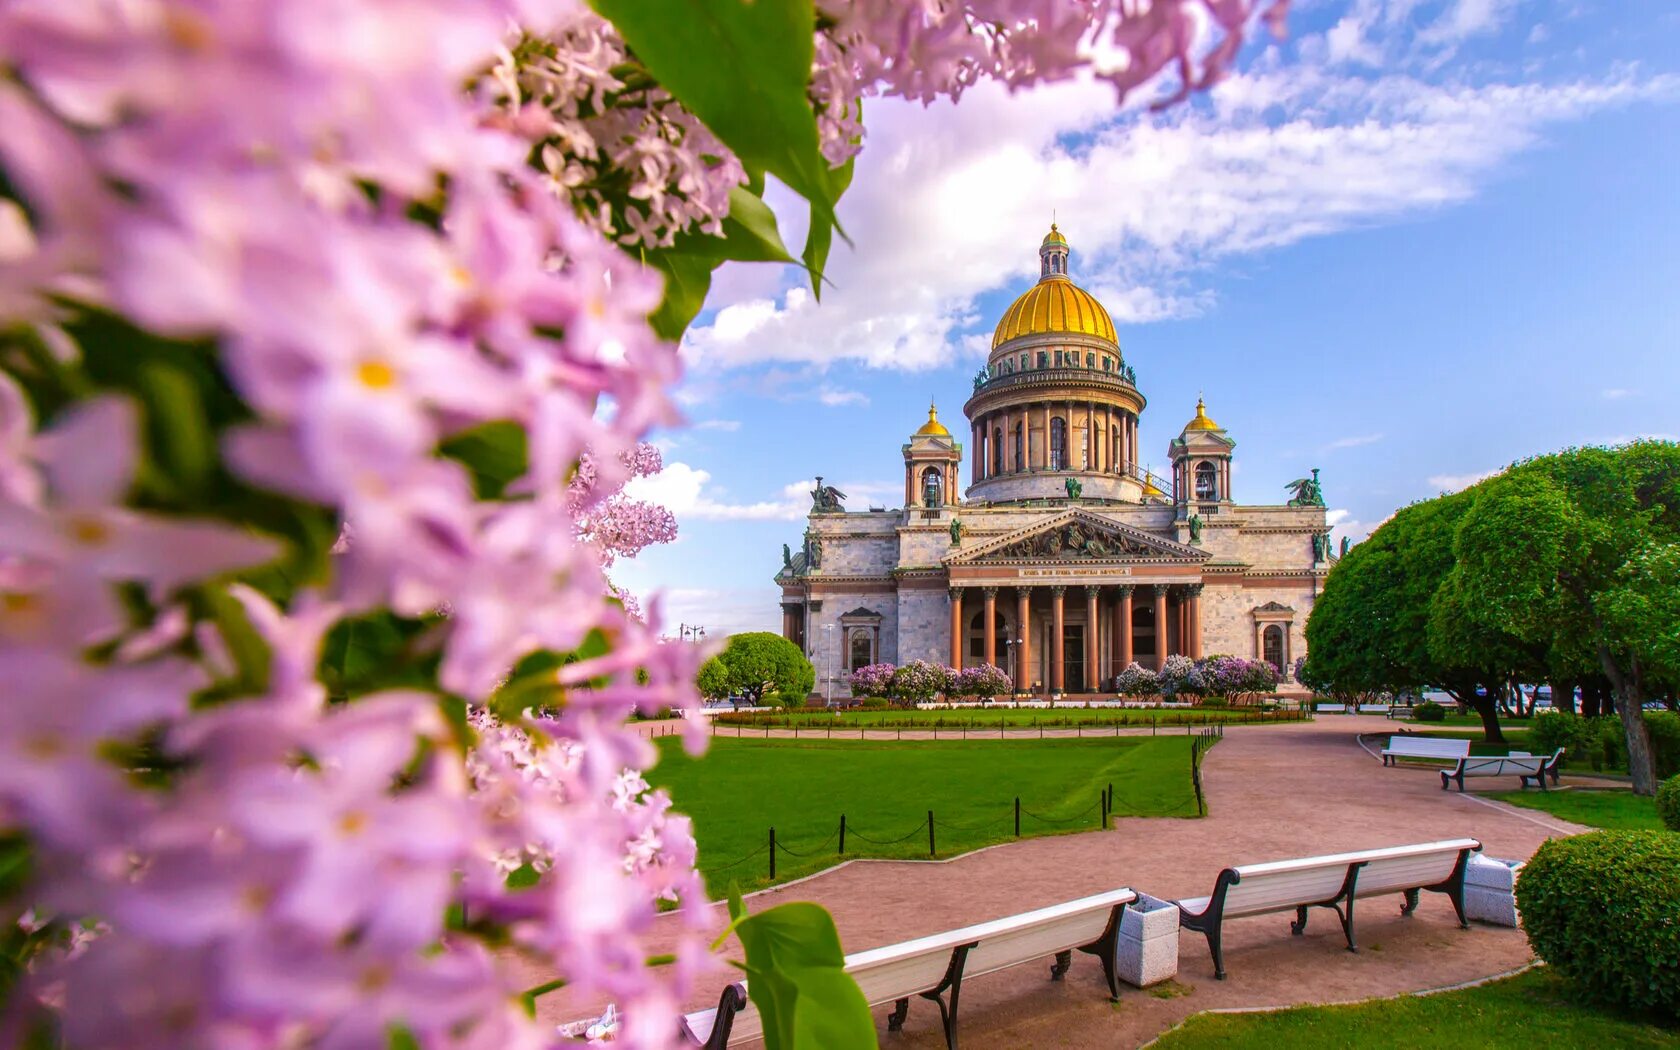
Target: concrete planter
{"points": [[1147, 952], [1489, 890]]}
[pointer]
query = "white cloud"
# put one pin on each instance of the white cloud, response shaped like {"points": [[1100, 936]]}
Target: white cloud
{"points": [[836, 396], [1465, 19], [1614, 394], [721, 611], [688, 492], [1454, 482], [726, 425], [950, 201], [1354, 441]]}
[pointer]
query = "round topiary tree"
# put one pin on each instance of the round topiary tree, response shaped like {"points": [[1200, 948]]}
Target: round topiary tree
{"points": [[1603, 910], [761, 664], [1429, 711], [1668, 803]]}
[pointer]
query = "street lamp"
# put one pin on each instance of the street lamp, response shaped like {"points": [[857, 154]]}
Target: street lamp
{"points": [[828, 679], [1009, 645], [691, 632]]}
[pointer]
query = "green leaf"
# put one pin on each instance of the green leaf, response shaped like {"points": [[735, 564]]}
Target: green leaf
{"points": [[687, 280], [750, 234], [820, 237], [523, 877], [495, 453], [796, 978]]}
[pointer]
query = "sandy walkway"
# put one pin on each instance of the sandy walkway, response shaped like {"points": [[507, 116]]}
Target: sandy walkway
{"points": [[1275, 792]]}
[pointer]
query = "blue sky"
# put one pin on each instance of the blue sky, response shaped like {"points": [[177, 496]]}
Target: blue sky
{"points": [[1412, 243]]}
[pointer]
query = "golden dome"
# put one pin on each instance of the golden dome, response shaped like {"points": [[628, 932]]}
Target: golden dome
{"points": [[1054, 237], [1054, 304], [933, 427], [1201, 422], [1149, 488]]}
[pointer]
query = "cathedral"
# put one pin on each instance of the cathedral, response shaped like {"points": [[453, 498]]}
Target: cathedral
{"points": [[1062, 560]]}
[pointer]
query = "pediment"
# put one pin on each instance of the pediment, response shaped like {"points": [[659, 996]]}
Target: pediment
{"points": [[860, 613], [1273, 607], [1078, 535]]}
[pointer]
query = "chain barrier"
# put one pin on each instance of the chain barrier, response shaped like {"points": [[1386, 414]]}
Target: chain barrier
{"points": [[917, 830], [813, 851]]}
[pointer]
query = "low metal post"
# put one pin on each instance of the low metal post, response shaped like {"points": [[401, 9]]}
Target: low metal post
{"points": [[1017, 816], [772, 854], [930, 834], [842, 834]]}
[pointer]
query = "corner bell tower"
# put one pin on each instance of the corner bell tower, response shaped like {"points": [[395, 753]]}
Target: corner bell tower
{"points": [[1201, 462], [932, 460]]}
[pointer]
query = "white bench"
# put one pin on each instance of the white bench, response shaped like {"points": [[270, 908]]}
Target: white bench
{"points": [[932, 966], [1333, 882], [1333, 709], [1525, 767], [1401, 710], [1373, 709], [1412, 746]]}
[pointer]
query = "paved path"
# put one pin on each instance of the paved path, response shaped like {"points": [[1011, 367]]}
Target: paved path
{"points": [[1274, 792]]}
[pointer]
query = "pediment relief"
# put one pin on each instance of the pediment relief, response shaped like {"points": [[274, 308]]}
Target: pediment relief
{"points": [[1272, 607], [861, 613], [1079, 536]]}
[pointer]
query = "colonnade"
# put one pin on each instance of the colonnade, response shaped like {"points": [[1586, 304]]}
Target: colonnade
{"points": [[1177, 627], [1111, 438]]}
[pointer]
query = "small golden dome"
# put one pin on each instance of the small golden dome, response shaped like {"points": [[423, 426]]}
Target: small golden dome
{"points": [[1201, 422], [1055, 304], [1054, 237], [1149, 488], [933, 427]]}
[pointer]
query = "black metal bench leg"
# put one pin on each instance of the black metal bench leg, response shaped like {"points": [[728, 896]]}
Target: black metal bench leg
{"points": [[1347, 924], [1411, 903], [1060, 966], [1455, 893], [1299, 926], [953, 983], [1218, 955], [895, 1020]]}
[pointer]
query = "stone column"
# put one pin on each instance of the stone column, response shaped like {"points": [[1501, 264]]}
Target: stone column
{"points": [[909, 487], [956, 627], [1124, 613], [977, 450], [1057, 671], [1044, 446], [990, 594], [1092, 639], [1193, 616], [1023, 632], [1160, 625]]}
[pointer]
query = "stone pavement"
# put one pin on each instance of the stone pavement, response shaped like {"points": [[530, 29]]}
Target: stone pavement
{"points": [[1274, 792]]}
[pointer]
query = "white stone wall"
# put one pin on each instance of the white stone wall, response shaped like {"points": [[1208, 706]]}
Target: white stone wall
{"points": [[924, 626], [828, 649], [1051, 485]]}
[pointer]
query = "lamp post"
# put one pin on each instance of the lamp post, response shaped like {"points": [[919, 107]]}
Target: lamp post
{"points": [[691, 632], [828, 679], [1009, 645]]}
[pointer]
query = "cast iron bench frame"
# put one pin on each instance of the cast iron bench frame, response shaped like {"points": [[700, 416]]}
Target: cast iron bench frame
{"points": [[1527, 767]]}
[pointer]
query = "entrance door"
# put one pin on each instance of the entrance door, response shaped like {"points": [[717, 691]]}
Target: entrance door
{"points": [[1073, 657]]}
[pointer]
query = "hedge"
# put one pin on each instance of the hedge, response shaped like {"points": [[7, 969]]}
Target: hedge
{"points": [[1668, 803], [1603, 910]]}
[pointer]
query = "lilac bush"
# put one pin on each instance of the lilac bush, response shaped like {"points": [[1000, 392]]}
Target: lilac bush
{"points": [[919, 681], [872, 680], [331, 334], [984, 680], [1236, 676], [1178, 675], [1137, 680]]}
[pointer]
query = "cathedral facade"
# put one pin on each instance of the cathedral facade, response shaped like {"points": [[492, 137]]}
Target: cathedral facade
{"points": [[1061, 560]]}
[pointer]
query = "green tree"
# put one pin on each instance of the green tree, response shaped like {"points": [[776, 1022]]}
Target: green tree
{"points": [[1385, 621], [713, 679], [1573, 546], [760, 662]]}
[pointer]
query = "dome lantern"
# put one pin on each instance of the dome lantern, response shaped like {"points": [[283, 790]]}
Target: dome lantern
{"points": [[933, 427], [1053, 255]]}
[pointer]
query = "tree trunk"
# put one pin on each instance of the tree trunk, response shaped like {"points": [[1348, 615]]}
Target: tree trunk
{"points": [[1488, 708], [1641, 767], [1591, 700], [1563, 696]]}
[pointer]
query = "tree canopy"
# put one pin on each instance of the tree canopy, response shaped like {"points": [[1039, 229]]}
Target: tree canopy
{"points": [[760, 662], [1564, 568]]}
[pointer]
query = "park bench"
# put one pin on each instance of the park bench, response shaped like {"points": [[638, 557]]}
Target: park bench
{"points": [[931, 967], [1401, 711], [1525, 767], [1334, 709], [1373, 709], [1333, 882], [1411, 746]]}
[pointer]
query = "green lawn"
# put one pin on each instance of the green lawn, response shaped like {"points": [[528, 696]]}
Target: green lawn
{"points": [[1622, 810], [1007, 717], [740, 789], [1533, 1009]]}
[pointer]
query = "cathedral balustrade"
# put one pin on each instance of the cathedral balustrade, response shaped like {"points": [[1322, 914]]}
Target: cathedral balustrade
{"points": [[1056, 377]]}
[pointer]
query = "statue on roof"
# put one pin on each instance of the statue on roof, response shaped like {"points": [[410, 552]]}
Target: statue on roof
{"points": [[956, 532], [1196, 529], [787, 558], [1347, 544], [826, 499], [1305, 492], [1321, 547], [1074, 488], [813, 552]]}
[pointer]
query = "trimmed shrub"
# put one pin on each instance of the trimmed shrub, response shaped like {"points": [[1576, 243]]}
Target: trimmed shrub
{"points": [[875, 703], [1668, 803], [1664, 727], [1429, 711], [1603, 910]]}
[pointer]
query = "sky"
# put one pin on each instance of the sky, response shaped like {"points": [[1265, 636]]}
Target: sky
{"points": [[1410, 244]]}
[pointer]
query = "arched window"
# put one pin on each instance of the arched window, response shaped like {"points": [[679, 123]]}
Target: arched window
{"points": [[997, 450], [1207, 481], [1114, 445], [1271, 647], [977, 636], [1058, 443], [860, 648], [932, 489], [1020, 458]]}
